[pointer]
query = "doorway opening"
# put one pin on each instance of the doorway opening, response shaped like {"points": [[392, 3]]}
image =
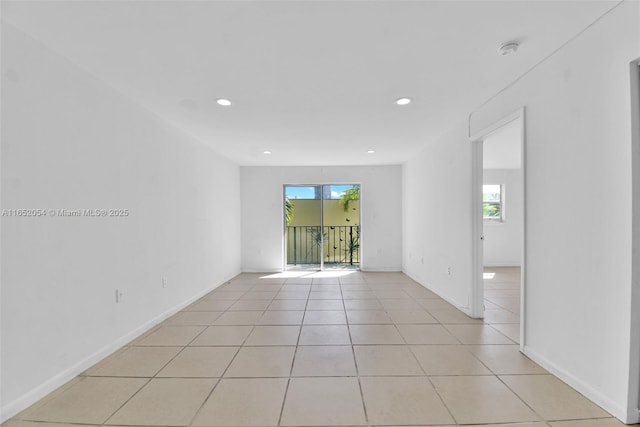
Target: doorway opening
{"points": [[502, 203], [499, 224], [322, 227]]}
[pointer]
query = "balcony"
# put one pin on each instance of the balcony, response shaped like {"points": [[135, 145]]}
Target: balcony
{"points": [[341, 244]]}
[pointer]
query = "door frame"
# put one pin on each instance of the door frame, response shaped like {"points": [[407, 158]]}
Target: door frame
{"points": [[284, 225], [322, 200], [477, 228], [633, 405]]}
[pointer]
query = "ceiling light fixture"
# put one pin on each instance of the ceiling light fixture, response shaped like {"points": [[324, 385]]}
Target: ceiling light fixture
{"points": [[508, 48], [266, 152], [223, 101], [371, 151], [403, 101]]}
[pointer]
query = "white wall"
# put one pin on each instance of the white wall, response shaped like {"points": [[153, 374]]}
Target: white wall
{"points": [[503, 240], [262, 212], [436, 217], [70, 142], [577, 148]]}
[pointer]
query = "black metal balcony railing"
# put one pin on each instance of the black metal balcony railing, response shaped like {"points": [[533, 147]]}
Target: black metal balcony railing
{"points": [[341, 244]]}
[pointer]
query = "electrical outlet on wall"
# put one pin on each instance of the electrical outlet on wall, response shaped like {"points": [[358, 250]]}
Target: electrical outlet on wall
{"points": [[119, 295], [164, 282], [449, 270]]}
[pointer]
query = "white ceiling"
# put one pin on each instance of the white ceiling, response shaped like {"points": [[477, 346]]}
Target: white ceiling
{"points": [[312, 81]]}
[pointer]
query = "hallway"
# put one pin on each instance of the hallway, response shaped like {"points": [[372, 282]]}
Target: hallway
{"points": [[358, 349]]}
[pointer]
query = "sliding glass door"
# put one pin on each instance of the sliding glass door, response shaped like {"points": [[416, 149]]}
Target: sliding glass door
{"points": [[322, 226], [303, 231]]}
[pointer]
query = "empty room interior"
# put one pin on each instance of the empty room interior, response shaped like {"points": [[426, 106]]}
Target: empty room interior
{"points": [[320, 213]]}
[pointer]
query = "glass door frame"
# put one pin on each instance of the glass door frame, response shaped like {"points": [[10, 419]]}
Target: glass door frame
{"points": [[285, 238], [322, 218]]}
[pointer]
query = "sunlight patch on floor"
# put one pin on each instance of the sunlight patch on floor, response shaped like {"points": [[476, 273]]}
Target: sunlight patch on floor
{"points": [[309, 274]]}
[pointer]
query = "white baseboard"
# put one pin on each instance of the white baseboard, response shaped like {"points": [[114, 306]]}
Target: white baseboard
{"points": [[19, 404], [620, 412], [502, 264], [585, 389], [367, 270], [262, 270], [456, 304]]}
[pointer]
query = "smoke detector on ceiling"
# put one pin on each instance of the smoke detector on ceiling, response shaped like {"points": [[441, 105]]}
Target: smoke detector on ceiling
{"points": [[509, 48]]}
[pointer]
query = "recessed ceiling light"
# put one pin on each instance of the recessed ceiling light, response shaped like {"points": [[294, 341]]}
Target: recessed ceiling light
{"points": [[403, 101], [371, 151], [266, 152], [223, 101], [509, 48]]}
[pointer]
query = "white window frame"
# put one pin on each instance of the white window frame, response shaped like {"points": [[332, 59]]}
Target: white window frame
{"points": [[502, 205]]}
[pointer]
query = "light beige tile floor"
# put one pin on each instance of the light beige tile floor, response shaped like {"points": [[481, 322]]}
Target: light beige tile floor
{"points": [[502, 311], [364, 349]]}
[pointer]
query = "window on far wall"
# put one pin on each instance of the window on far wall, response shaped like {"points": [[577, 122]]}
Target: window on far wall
{"points": [[492, 202]]}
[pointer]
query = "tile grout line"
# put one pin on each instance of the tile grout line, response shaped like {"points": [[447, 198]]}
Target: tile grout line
{"points": [[442, 400], [348, 323], [215, 386], [219, 380], [293, 360], [432, 384], [106, 421], [355, 362], [149, 381], [521, 399], [284, 400]]}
